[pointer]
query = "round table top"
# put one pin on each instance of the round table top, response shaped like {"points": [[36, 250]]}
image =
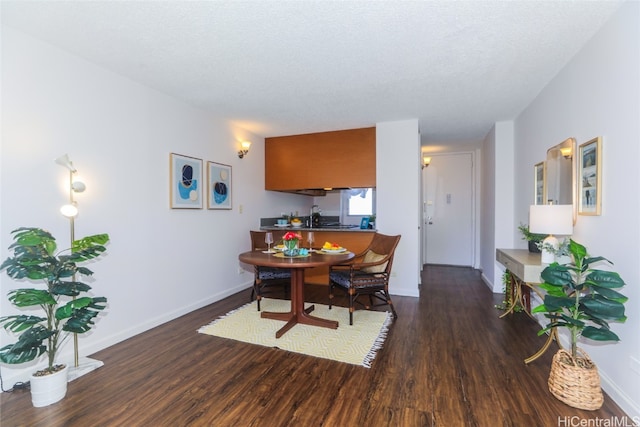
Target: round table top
{"points": [[313, 260]]}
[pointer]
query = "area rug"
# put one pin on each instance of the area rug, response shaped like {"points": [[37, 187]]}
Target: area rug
{"points": [[356, 344]]}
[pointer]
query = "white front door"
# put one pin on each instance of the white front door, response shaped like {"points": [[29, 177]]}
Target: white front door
{"points": [[448, 210]]}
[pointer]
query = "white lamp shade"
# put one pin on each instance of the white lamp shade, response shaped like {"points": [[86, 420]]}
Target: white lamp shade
{"points": [[78, 185], [551, 219], [66, 162], [69, 211]]}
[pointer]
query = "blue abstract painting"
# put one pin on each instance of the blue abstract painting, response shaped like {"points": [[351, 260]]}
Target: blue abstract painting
{"points": [[186, 182], [218, 186]]}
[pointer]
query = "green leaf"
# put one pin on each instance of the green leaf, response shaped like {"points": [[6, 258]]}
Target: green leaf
{"points": [[578, 251], [593, 260], [571, 322], [555, 290], [28, 347], [66, 311], [558, 275], [599, 334], [602, 307], [70, 289], [89, 242], [30, 297], [609, 294], [80, 313], [82, 320], [540, 309], [554, 303], [20, 322], [605, 279], [85, 271]]}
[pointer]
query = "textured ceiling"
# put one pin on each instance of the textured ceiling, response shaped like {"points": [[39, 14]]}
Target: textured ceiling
{"points": [[290, 67]]}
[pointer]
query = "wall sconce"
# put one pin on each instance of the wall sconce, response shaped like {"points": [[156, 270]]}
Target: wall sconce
{"points": [[566, 153], [550, 219], [426, 161], [245, 148]]}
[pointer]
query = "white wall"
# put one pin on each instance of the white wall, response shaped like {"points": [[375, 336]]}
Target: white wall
{"points": [[161, 263], [497, 200], [398, 199], [488, 210], [598, 94]]}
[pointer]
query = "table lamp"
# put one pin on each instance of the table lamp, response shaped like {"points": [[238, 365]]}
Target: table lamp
{"points": [[550, 219]]}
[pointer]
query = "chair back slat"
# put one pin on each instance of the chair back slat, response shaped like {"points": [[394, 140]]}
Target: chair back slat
{"points": [[257, 240]]}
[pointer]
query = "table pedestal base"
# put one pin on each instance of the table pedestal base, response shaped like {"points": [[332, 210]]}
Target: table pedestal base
{"points": [[298, 313]]}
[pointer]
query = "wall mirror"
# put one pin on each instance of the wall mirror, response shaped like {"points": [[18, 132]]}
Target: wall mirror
{"points": [[560, 172]]}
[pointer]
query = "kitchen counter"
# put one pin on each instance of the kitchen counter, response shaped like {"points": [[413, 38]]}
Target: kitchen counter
{"points": [[356, 240], [356, 228]]}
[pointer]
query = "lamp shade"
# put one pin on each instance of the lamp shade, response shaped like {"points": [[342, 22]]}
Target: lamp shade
{"points": [[70, 211], [65, 162], [551, 219]]}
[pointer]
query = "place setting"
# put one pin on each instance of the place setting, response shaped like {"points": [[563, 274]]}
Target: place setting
{"points": [[329, 248]]}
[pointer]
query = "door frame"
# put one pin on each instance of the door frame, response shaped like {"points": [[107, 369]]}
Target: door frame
{"points": [[475, 190]]}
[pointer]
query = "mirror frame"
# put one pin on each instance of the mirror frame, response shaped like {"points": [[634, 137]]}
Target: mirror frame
{"points": [[566, 148]]}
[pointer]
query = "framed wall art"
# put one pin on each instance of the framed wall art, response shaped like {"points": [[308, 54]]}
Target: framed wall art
{"points": [[185, 186], [590, 177], [538, 183], [364, 223], [218, 186]]}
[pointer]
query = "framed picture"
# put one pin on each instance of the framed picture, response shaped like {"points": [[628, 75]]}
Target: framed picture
{"points": [[218, 186], [185, 186], [590, 177], [538, 183], [364, 223]]}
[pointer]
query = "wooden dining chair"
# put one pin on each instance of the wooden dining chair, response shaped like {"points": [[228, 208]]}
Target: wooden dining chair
{"points": [[267, 277], [367, 274]]}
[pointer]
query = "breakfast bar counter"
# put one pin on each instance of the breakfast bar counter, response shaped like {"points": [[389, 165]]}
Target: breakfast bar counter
{"points": [[339, 229], [355, 240]]}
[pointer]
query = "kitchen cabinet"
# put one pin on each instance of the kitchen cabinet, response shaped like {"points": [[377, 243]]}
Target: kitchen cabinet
{"points": [[318, 161]]}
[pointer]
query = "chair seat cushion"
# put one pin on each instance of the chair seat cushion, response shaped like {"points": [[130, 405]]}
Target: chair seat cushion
{"points": [[268, 273], [361, 280]]}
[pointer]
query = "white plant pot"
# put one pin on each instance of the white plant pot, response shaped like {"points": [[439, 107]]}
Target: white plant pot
{"points": [[49, 389]]}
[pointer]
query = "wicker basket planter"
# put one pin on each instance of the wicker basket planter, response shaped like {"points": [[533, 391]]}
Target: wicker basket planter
{"points": [[575, 381]]}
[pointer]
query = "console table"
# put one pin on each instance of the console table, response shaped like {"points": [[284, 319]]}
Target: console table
{"points": [[525, 268]]}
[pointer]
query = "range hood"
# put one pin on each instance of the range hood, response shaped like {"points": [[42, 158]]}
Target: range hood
{"points": [[315, 192]]}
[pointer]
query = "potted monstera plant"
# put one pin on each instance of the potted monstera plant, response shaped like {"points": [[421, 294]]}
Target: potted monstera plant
{"points": [[64, 308], [583, 300]]}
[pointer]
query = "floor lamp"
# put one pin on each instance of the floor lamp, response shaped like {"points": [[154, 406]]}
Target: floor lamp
{"points": [[70, 210]]}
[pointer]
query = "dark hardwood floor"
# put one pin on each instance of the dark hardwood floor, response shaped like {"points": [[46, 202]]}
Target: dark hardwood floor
{"points": [[448, 361]]}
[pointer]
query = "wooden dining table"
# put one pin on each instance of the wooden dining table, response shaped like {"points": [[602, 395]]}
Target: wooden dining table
{"points": [[297, 265]]}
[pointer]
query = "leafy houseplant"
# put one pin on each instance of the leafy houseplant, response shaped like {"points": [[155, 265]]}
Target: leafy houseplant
{"points": [[532, 238], [35, 258], [508, 294], [583, 300]]}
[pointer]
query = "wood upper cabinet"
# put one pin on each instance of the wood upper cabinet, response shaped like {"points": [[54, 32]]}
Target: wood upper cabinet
{"points": [[338, 159]]}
